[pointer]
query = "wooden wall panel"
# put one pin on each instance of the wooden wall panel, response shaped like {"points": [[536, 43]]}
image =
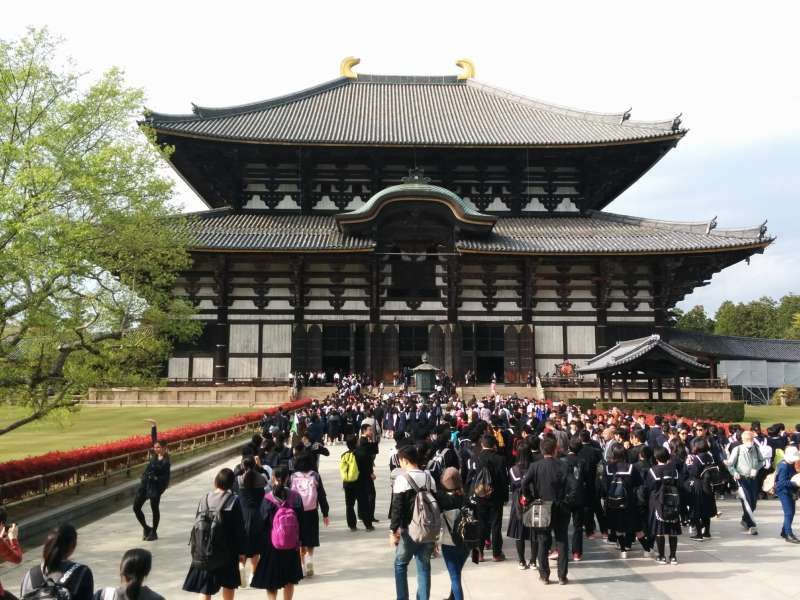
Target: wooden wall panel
{"points": [[202, 367], [580, 339], [276, 368], [243, 339], [243, 368], [549, 339], [178, 368], [277, 338]]}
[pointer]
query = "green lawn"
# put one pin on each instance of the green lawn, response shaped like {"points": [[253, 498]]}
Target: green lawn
{"points": [[95, 425], [788, 415]]}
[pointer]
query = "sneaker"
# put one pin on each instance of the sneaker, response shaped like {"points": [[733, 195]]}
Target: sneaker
{"points": [[662, 560], [553, 555], [532, 565], [523, 566], [242, 576], [623, 554], [744, 525], [696, 538], [753, 531], [673, 560], [309, 568], [544, 580], [499, 558], [577, 556], [152, 536], [564, 581], [792, 539]]}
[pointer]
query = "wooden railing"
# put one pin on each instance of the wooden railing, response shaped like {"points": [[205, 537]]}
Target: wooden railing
{"points": [[41, 486]]}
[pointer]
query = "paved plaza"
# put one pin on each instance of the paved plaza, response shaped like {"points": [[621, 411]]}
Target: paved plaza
{"points": [[359, 565]]}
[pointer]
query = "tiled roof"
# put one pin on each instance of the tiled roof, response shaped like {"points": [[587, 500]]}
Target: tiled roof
{"points": [[226, 230], [395, 110], [594, 233], [630, 351], [735, 348], [601, 232]]}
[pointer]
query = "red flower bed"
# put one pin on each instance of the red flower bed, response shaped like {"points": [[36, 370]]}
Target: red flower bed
{"points": [[55, 461]]}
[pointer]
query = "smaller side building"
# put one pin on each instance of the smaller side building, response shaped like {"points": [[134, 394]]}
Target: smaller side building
{"points": [[754, 367]]}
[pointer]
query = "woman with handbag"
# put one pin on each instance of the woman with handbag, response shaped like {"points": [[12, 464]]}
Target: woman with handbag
{"points": [[516, 529], [155, 481], [451, 500]]}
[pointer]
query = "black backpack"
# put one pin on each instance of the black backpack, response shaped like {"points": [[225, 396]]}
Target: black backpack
{"points": [[208, 543], [617, 495], [47, 588], [467, 529], [668, 500], [711, 477], [482, 486], [574, 487]]}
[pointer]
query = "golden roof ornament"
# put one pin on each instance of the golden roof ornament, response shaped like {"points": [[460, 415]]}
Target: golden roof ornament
{"points": [[346, 67], [468, 67]]}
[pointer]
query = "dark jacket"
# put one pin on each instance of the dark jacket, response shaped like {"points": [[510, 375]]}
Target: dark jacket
{"points": [[365, 454], [545, 480], [496, 465], [401, 508], [155, 478]]}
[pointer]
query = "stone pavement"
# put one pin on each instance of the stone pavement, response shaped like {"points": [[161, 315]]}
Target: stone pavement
{"points": [[360, 565]]}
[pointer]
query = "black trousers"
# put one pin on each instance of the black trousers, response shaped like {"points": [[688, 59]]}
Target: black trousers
{"points": [[138, 503], [371, 495], [490, 516], [353, 492], [578, 517], [558, 530]]}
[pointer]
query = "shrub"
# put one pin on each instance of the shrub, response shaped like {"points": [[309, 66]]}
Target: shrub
{"points": [[724, 412], [785, 396], [56, 461]]}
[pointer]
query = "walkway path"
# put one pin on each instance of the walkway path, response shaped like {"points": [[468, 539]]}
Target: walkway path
{"points": [[359, 565]]}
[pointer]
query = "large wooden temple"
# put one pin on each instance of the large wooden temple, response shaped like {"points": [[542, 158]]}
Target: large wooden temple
{"points": [[355, 224]]}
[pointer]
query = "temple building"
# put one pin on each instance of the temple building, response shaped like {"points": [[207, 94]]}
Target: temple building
{"points": [[358, 223]]}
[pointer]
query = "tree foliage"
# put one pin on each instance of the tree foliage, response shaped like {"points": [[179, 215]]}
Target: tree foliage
{"points": [[89, 247], [695, 319]]}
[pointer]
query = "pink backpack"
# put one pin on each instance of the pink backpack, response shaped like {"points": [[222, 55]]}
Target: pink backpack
{"points": [[305, 484], [285, 526]]}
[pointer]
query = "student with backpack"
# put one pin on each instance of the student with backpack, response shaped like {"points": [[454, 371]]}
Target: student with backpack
{"points": [[576, 497], [621, 480], [217, 541], [489, 483], [459, 529], [415, 523], [251, 485], [354, 492], [135, 566], [307, 483], [58, 571], [704, 480], [663, 490], [280, 566]]}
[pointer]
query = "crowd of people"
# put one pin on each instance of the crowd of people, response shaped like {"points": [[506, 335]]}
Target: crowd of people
{"points": [[563, 474]]}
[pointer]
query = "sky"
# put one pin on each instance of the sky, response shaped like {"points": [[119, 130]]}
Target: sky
{"points": [[730, 67]]}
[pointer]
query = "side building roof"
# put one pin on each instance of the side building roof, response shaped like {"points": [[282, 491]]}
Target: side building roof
{"points": [[410, 110], [726, 347]]}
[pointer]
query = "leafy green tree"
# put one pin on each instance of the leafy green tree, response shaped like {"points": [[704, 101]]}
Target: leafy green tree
{"points": [[788, 308], [754, 319], [695, 319], [89, 246]]}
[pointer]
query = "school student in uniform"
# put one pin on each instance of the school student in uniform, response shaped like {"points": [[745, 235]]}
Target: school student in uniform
{"points": [[516, 530], [621, 480], [280, 568], [307, 483], [155, 481], [664, 477], [702, 503], [56, 565], [135, 566], [252, 485], [207, 582]]}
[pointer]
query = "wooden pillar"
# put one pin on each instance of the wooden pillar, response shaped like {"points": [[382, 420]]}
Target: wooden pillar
{"points": [[677, 387], [660, 382], [221, 329], [712, 373], [624, 387], [352, 347], [649, 388], [610, 378], [602, 380]]}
